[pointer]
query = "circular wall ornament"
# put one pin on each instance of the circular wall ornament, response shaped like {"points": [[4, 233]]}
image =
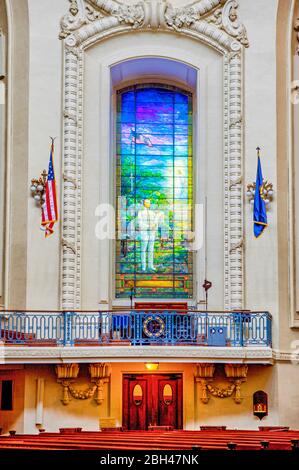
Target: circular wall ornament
{"points": [[153, 326], [235, 46], [71, 41]]}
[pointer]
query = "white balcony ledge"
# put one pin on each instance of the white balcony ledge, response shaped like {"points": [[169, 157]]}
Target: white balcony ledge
{"points": [[84, 354]]}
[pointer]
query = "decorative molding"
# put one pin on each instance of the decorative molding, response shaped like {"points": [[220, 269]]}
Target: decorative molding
{"points": [[177, 18], [99, 375], [79, 15], [221, 392], [235, 181], [68, 115], [67, 371], [236, 121], [132, 15], [69, 179], [236, 246], [213, 22], [65, 354], [231, 23], [236, 373], [205, 370], [68, 245]]}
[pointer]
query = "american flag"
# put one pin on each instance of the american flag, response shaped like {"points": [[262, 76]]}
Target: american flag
{"points": [[49, 208]]}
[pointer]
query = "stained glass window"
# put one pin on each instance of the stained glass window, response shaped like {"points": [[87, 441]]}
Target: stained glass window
{"points": [[154, 192]]}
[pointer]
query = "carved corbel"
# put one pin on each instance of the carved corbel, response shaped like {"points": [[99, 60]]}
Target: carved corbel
{"points": [[237, 373], [66, 374], [236, 370], [99, 374], [203, 375]]}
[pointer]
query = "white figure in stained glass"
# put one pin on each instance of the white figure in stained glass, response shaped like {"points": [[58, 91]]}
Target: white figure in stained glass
{"points": [[148, 223]]}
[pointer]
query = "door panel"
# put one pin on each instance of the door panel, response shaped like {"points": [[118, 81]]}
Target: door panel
{"points": [[135, 408], [152, 399]]}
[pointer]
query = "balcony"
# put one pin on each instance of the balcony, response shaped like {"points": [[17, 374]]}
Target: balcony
{"points": [[135, 334]]}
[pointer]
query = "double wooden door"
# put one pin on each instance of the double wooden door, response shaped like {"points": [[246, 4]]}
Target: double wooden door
{"points": [[152, 399]]}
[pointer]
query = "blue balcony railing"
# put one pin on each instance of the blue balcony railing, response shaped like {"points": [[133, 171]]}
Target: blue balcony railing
{"points": [[201, 328]]}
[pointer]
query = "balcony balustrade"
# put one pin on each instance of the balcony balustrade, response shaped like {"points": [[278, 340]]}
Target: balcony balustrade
{"points": [[136, 328]]}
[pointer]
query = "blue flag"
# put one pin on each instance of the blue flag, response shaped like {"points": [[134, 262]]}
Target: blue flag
{"points": [[259, 208]]}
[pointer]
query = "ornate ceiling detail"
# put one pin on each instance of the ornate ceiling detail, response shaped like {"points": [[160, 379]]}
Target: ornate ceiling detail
{"points": [[156, 14]]}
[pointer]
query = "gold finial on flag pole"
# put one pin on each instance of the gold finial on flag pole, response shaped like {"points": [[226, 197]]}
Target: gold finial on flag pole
{"points": [[258, 151]]}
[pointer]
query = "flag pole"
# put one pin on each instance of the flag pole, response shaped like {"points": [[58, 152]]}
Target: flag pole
{"points": [[258, 149]]}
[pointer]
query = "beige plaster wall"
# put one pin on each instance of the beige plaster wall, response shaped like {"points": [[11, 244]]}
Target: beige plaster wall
{"points": [[86, 414], [44, 120], [17, 156], [288, 393]]}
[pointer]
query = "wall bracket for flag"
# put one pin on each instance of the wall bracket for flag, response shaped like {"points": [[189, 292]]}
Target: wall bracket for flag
{"points": [[37, 188]]}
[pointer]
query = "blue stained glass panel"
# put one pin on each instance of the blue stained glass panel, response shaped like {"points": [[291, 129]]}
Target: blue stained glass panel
{"points": [[154, 187]]}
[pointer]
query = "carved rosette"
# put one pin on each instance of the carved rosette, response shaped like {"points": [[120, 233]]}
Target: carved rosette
{"points": [[214, 22]]}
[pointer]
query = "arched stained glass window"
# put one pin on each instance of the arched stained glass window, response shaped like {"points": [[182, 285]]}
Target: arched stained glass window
{"points": [[154, 192]]}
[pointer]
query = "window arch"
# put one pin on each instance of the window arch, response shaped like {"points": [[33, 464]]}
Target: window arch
{"points": [[154, 191]]}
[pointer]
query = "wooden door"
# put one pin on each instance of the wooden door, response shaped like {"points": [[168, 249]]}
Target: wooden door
{"points": [[170, 401], [152, 399], [135, 398]]}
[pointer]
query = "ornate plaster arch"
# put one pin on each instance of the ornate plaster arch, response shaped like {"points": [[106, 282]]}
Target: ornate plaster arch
{"points": [[213, 22]]}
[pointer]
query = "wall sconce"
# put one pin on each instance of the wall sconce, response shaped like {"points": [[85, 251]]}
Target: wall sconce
{"points": [[267, 192], [152, 366], [260, 404], [37, 188]]}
